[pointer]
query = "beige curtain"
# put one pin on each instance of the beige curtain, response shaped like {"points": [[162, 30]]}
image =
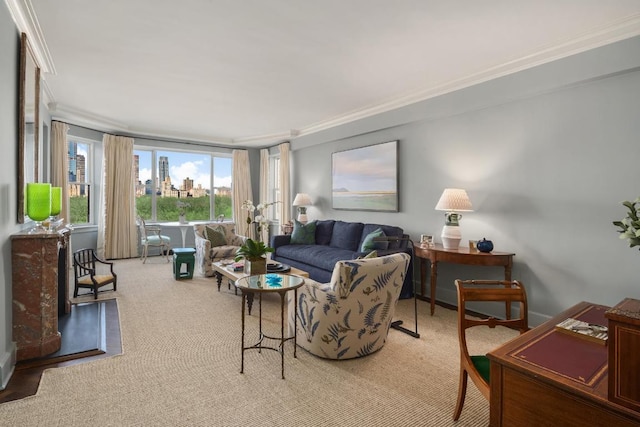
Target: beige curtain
{"points": [[241, 185], [60, 164], [285, 184], [265, 197], [117, 232]]}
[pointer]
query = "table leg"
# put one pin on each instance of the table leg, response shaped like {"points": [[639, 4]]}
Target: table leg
{"points": [[434, 280], [423, 276], [250, 301], [507, 276], [260, 322], [282, 294], [295, 322], [219, 277], [242, 358]]}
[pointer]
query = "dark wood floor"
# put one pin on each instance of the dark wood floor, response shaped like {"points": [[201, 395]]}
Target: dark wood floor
{"points": [[26, 377]]}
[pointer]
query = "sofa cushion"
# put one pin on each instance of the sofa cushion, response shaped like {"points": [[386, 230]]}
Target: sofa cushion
{"points": [[346, 235], [389, 231], [324, 228], [216, 235], [303, 234], [369, 243], [321, 256]]}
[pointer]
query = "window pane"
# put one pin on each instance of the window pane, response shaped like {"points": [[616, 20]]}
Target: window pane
{"points": [[79, 188], [143, 183], [222, 188], [181, 179]]}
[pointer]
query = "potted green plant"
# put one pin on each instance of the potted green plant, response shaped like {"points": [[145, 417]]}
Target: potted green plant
{"points": [[630, 225], [254, 255]]}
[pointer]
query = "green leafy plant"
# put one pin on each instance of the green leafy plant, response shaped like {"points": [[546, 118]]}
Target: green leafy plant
{"points": [[252, 250], [630, 226]]}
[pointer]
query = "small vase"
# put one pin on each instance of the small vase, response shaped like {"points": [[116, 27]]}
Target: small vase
{"points": [[182, 219], [253, 267]]}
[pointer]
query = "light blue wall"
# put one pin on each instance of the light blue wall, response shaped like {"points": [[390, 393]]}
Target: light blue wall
{"points": [[10, 48], [546, 156]]}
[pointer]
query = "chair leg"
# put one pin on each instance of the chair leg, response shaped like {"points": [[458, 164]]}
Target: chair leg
{"points": [[95, 292], [462, 392], [145, 248], [75, 291]]}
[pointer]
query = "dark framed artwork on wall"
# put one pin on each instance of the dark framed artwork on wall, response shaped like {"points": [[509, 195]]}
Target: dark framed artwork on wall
{"points": [[366, 178]]}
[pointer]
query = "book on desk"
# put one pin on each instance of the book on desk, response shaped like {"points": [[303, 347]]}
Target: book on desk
{"points": [[584, 330]]}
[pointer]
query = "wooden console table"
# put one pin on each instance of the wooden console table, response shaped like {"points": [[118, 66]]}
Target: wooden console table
{"points": [[545, 377], [462, 255]]}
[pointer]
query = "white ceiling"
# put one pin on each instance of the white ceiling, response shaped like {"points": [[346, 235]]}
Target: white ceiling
{"points": [[256, 72]]}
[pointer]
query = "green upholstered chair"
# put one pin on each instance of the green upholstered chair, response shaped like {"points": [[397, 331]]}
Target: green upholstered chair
{"points": [[476, 367]]}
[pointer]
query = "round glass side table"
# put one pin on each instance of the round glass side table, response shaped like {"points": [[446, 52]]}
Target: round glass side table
{"points": [[269, 283]]}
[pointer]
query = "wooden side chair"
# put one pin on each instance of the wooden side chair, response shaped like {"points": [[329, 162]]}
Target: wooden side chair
{"points": [[87, 275], [477, 367]]}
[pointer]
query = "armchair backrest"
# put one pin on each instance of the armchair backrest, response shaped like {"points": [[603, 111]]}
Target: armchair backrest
{"points": [[350, 316], [229, 231]]}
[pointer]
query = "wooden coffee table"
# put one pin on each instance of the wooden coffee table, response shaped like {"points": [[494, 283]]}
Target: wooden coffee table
{"points": [[224, 270]]}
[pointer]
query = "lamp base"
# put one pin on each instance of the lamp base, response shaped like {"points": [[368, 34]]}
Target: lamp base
{"points": [[451, 237], [302, 218]]}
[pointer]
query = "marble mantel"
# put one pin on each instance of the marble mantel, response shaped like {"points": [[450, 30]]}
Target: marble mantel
{"points": [[34, 259]]}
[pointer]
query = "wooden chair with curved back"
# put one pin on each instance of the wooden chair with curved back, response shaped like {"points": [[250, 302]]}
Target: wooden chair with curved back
{"points": [[92, 272], [476, 367]]}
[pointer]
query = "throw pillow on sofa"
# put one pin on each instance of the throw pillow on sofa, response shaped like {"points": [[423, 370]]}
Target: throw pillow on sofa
{"points": [[303, 234], [215, 235], [369, 243]]}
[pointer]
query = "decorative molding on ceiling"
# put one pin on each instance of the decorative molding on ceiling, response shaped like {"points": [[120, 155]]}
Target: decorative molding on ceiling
{"points": [[620, 30], [84, 118], [25, 18]]}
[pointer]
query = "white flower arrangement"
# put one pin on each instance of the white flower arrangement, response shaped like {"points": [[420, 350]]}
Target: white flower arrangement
{"points": [[258, 214]]}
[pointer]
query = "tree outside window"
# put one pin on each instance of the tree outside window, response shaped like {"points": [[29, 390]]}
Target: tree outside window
{"points": [[167, 180]]}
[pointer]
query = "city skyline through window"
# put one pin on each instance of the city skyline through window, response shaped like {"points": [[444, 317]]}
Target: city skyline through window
{"points": [[182, 178]]}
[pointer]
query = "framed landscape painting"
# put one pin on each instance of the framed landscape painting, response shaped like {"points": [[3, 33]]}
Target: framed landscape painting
{"points": [[366, 178]]}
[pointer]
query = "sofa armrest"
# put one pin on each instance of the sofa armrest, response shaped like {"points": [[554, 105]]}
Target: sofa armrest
{"points": [[203, 247], [280, 240]]}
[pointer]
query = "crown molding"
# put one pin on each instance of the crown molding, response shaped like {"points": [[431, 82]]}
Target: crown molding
{"points": [[26, 20], [617, 31], [84, 118]]}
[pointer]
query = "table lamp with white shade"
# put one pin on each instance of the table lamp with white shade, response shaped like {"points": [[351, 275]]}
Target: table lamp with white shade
{"points": [[453, 201], [301, 202]]}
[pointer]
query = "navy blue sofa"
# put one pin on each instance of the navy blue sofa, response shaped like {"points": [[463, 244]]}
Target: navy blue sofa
{"points": [[336, 241]]}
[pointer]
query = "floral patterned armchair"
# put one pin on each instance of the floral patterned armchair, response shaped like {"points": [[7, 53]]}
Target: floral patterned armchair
{"points": [[350, 316], [214, 242]]}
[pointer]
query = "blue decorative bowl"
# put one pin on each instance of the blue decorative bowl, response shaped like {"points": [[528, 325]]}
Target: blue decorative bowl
{"points": [[485, 245]]}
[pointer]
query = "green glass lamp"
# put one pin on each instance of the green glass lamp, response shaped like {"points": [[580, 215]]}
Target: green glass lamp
{"points": [[38, 204]]}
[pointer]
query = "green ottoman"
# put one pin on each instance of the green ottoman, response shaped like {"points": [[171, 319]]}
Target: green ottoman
{"points": [[183, 256]]}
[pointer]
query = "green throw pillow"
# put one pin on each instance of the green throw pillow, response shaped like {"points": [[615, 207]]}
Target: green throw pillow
{"points": [[216, 236], [303, 234], [372, 254], [368, 244]]}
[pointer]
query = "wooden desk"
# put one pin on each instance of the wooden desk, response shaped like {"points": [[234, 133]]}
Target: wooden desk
{"points": [[462, 255], [548, 378]]}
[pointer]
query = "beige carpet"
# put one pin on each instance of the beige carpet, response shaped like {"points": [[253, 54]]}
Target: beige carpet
{"points": [[181, 360]]}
